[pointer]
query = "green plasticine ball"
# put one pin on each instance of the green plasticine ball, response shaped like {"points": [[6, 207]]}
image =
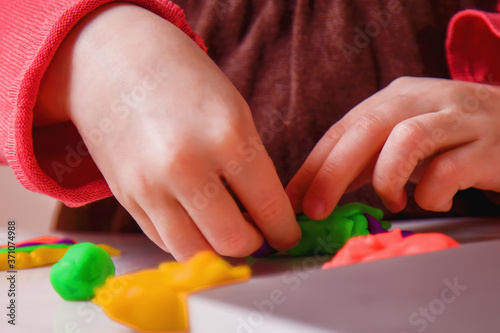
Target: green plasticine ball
{"points": [[330, 235], [84, 267]]}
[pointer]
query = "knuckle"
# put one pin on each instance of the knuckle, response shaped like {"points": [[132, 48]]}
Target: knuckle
{"points": [[335, 132], [407, 133], [137, 186], [180, 163], [446, 170], [308, 170], [387, 182], [401, 81], [233, 244], [371, 122], [381, 182], [329, 169], [270, 210]]}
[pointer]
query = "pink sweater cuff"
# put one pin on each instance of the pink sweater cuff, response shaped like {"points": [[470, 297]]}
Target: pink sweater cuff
{"points": [[34, 31], [473, 47]]}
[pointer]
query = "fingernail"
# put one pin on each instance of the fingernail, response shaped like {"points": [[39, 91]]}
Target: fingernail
{"points": [[397, 203], [314, 206], [393, 207], [446, 207]]}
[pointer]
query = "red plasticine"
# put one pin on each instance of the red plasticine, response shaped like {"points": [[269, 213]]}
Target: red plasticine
{"points": [[388, 245]]}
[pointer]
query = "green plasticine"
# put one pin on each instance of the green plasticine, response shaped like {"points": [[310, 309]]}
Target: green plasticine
{"points": [[360, 225], [354, 208], [29, 249], [319, 237], [84, 267], [385, 224], [329, 235]]}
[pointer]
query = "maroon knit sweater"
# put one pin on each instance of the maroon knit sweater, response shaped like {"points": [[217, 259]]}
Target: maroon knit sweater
{"points": [[306, 63]]}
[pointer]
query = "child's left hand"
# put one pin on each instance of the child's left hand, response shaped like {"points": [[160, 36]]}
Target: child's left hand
{"points": [[441, 134]]}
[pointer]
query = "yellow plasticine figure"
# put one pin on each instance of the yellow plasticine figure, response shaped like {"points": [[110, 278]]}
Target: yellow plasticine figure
{"points": [[41, 256], [155, 299]]}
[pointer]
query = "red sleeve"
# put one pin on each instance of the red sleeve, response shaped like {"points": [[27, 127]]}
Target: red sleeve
{"points": [[473, 46], [472, 50], [30, 32]]}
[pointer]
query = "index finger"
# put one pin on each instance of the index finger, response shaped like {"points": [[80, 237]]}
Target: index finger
{"points": [[259, 189]]}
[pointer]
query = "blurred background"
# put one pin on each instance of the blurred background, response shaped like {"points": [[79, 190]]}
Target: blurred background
{"points": [[32, 211]]}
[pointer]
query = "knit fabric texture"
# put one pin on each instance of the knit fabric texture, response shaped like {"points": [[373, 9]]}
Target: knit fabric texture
{"points": [[30, 33], [298, 63]]}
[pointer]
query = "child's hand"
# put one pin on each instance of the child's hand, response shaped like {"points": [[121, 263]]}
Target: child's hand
{"points": [[443, 135], [167, 129]]}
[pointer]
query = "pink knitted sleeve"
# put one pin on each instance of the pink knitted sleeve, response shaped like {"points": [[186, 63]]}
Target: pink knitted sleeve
{"points": [[472, 51], [50, 160], [473, 46]]}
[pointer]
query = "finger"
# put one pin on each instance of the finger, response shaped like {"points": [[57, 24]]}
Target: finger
{"points": [[298, 185], [365, 129], [448, 173], [175, 227], [410, 142], [218, 217], [145, 223], [346, 161], [364, 177], [259, 189]]}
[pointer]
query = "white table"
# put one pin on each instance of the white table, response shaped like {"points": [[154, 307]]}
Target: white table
{"points": [[295, 295]]}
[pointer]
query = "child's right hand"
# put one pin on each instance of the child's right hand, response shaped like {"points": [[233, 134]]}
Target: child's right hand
{"points": [[164, 124]]}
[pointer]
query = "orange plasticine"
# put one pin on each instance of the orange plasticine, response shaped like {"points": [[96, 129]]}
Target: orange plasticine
{"points": [[388, 245]]}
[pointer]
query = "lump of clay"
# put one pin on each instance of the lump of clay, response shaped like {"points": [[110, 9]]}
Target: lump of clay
{"points": [[329, 235], [84, 267], [388, 245], [155, 299]]}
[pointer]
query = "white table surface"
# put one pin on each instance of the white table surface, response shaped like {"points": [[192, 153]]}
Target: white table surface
{"points": [[40, 309]]}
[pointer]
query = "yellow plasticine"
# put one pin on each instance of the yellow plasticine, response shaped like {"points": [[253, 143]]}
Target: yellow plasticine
{"points": [[155, 299], [40, 257], [36, 258], [111, 250]]}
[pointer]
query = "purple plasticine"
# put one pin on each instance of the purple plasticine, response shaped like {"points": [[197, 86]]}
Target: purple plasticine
{"points": [[406, 233], [61, 241], [264, 251], [374, 227]]}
